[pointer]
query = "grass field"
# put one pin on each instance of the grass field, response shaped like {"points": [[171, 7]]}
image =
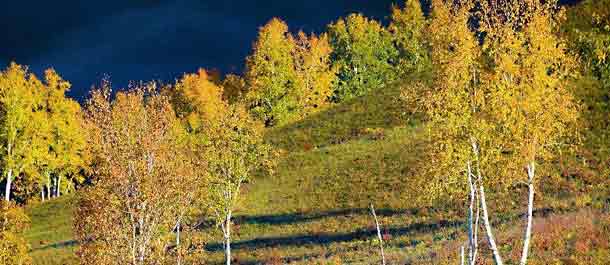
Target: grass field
{"points": [[314, 210]]}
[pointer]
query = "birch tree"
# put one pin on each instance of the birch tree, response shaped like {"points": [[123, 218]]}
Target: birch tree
{"points": [[315, 72], [532, 70], [270, 75], [407, 27], [229, 139], [19, 98], [130, 214], [498, 103], [236, 150], [363, 54], [60, 139]]}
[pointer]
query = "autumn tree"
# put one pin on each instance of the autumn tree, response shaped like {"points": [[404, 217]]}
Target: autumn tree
{"points": [[229, 139], [141, 176], [499, 103], [270, 75], [363, 54], [13, 222], [198, 98], [407, 27], [64, 138], [19, 99], [314, 70], [236, 151], [535, 105]]}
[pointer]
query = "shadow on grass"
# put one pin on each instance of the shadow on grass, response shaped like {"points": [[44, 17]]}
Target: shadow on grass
{"points": [[294, 218], [328, 238], [307, 217], [62, 244]]}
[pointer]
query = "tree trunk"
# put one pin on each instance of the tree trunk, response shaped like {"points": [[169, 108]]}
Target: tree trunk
{"points": [[462, 258], [472, 244], [378, 235], [48, 186], [179, 252], [531, 170], [54, 187], [227, 235], [490, 235], [9, 180], [58, 186], [42, 193]]}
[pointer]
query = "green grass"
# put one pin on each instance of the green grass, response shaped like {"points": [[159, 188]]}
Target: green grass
{"points": [[50, 236]]}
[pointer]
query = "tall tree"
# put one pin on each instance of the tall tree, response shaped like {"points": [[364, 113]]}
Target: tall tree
{"points": [[229, 139], [407, 27], [66, 136], [19, 98], [271, 76], [236, 151], [535, 106], [499, 102], [314, 70], [364, 55], [141, 175]]}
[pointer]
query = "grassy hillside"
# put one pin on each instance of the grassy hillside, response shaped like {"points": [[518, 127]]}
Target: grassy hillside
{"points": [[51, 236], [314, 210]]}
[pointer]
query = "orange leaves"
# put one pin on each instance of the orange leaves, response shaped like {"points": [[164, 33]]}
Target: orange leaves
{"points": [[204, 92], [146, 178], [13, 248]]}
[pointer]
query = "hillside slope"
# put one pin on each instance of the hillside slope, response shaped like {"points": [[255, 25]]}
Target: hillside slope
{"points": [[332, 166]]}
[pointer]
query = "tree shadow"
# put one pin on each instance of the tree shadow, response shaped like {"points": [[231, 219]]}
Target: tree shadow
{"points": [[62, 244], [329, 238], [295, 218]]}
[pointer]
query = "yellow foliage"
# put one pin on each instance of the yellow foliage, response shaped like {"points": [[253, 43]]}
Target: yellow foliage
{"points": [[314, 70], [13, 248], [202, 91]]}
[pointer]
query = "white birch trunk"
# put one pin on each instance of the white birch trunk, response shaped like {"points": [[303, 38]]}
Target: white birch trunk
{"points": [[9, 180], [58, 186], [378, 234], [227, 235], [54, 187], [471, 237], [462, 258], [178, 242], [490, 236], [48, 186], [531, 170]]}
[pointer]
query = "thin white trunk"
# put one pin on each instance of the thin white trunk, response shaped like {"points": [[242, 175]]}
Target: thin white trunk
{"points": [[227, 235], [471, 235], [9, 180], [378, 235], [48, 186], [531, 170], [42, 193], [490, 235], [178, 242], [58, 186], [476, 233], [462, 258], [54, 187]]}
